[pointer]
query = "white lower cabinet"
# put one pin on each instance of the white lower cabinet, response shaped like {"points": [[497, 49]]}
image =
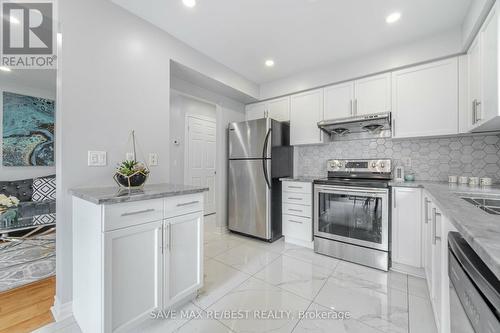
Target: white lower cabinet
{"points": [[132, 274], [129, 261], [183, 257], [297, 213], [406, 230], [436, 227], [420, 246]]}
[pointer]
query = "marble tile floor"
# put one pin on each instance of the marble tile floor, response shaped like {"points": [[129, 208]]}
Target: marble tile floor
{"points": [[25, 262], [307, 292]]}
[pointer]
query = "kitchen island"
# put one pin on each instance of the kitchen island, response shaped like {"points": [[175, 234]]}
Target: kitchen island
{"points": [[134, 252]]}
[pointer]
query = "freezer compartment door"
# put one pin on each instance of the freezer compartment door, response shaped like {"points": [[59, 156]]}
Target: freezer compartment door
{"points": [[247, 139], [249, 198]]}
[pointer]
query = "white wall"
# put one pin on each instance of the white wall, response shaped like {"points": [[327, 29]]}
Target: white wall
{"points": [[15, 173], [227, 111], [114, 77], [446, 44]]}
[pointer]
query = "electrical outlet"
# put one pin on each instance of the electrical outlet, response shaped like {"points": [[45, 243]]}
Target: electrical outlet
{"points": [[129, 156], [407, 162], [153, 159], [96, 158]]}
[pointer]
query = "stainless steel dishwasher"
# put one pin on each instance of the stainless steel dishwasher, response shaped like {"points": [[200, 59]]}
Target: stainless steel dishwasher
{"points": [[474, 290]]}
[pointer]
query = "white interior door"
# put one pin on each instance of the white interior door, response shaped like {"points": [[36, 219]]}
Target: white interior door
{"points": [[201, 154]]}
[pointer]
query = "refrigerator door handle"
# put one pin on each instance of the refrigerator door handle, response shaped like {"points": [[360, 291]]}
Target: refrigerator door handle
{"points": [[264, 161]]}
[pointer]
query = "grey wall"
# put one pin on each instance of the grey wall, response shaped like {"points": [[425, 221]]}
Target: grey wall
{"points": [[432, 159], [15, 82]]}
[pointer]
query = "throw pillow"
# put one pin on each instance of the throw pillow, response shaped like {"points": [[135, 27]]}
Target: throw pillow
{"points": [[44, 189]]}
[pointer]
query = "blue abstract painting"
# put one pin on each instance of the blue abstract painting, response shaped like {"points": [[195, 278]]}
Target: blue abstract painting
{"points": [[28, 130]]}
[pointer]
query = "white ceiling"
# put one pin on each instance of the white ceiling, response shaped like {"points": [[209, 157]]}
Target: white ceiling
{"points": [[297, 34]]}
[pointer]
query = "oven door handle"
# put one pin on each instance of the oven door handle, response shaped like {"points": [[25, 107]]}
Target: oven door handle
{"points": [[347, 190]]}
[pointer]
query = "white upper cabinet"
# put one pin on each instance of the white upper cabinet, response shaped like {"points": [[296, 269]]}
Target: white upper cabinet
{"points": [[339, 101], [255, 111], [372, 94], [277, 109], [360, 97], [306, 110], [425, 100], [483, 76], [474, 82]]}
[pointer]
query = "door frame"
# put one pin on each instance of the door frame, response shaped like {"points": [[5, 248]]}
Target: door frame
{"points": [[186, 152]]}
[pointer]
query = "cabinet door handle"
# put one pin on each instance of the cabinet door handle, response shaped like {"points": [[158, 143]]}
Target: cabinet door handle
{"points": [[298, 187], [426, 207], [139, 212], [187, 203], [394, 197], [169, 238], [355, 106], [352, 108], [293, 221], [292, 198], [474, 116], [393, 127], [478, 111], [294, 210]]}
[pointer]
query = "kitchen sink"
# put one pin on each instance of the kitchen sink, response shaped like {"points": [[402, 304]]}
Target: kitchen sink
{"points": [[488, 204]]}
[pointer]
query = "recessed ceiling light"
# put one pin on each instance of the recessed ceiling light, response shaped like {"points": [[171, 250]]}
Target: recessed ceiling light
{"points": [[269, 62], [392, 18], [5, 69], [189, 3]]}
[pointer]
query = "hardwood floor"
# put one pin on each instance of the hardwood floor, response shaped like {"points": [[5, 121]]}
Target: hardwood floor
{"points": [[28, 307]]}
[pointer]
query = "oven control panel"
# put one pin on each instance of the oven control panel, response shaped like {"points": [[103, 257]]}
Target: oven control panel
{"points": [[370, 166]]}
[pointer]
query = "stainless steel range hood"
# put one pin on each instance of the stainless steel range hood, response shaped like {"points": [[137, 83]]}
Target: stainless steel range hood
{"points": [[373, 124]]}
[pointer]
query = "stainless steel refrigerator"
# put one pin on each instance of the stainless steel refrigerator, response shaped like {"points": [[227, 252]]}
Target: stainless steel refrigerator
{"points": [[259, 154]]}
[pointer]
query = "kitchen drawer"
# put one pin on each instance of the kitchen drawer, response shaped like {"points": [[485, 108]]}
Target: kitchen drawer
{"points": [[297, 198], [297, 227], [297, 187], [183, 204], [122, 215], [297, 210]]}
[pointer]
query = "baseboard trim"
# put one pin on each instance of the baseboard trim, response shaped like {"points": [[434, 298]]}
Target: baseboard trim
{"points": [[406, 269], [299, 242], [61, 311]]}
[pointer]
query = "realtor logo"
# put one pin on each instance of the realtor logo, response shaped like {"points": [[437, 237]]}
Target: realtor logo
{"points": [[27, 34]]}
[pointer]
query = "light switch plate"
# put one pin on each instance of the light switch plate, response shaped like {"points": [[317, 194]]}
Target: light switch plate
{"points": [[153, 159], [97, 158]]}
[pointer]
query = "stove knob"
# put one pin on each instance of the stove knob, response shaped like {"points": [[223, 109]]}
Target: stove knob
{"points": [[382, 165], [374, 165], [341, 164]]}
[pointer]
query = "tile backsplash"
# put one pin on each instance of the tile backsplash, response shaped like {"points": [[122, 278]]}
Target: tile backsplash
{"points": [[431, 159]]}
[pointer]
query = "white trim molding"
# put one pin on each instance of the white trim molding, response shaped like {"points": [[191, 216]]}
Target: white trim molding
{"points": [[61, 311]]}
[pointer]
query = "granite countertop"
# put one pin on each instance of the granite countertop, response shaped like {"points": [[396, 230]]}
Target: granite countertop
{"points": [[480, 229], [113, 194], [302, 179]]}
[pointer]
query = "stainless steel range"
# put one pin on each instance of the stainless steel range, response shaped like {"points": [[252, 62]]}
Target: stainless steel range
{"points": [[351, 212]]}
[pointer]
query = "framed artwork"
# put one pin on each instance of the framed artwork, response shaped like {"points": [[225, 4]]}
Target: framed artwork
{"points": [[28, 130]]}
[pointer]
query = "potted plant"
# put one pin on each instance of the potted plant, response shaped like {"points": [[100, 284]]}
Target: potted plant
{"points": [[131, 173]]}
